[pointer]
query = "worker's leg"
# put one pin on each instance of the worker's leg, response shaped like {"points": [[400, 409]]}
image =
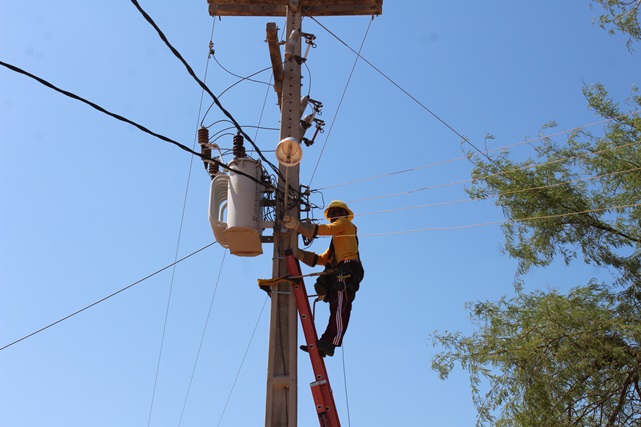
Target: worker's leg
{"points": [[345, 286], [339, 312]]}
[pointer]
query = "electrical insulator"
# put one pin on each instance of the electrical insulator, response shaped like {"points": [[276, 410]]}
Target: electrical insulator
{"points": [[306, 123], [203, 136], [303, 103], [239, 148], [206, 152], [205, 148], [214, 169], [309, 39], [291, 44]]}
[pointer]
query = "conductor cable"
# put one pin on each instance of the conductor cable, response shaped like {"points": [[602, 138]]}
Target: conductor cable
{"points": [[526, 141], [123, 119], [404, 91], [107, 297], [340, 102], [201, 83]]}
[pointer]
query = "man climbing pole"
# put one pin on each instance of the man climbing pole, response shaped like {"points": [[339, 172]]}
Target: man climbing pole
{"points": [[343, 269]]}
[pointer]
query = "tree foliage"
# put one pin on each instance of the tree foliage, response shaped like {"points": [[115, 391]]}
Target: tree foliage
{"points": [[622, 16], [543, 358], [579, 198], [552, 360]]}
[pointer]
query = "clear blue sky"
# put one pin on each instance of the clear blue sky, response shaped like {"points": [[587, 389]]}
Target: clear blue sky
{"points": [[91, 205]]}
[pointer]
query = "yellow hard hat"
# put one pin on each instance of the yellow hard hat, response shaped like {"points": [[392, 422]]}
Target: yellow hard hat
{"points": [[342, 205]]}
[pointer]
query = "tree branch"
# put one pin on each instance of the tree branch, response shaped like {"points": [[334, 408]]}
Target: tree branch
{"points": [[624, 391]]}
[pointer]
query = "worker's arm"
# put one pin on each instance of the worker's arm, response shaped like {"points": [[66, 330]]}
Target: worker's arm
{"points": [[308, 258], [339, 226], [307, 229], [323, 258]]}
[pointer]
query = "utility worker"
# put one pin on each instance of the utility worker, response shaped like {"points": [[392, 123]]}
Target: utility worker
{"points": [[343, 269]]}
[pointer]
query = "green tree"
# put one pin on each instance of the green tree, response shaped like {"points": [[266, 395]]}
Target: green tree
{"points": [[552, 360], [542, 358], [621, 16], [579, 198]]}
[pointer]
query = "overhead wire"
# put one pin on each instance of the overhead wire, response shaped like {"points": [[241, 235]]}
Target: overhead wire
{"points": [[456, 159], [410, 96], [466, 140], [243, 79], [242, 361], [463, 138], [349, 418], [191, 72], [202, 338], [255, 127], [201, 83], [506, 193], [484, 154], [503, 221], [262, 110], [534, 165], [121, 118], [180, 229], [258, 128], [317, 163], [340, 102], [531, 166], [106, 298], [97, 107]]}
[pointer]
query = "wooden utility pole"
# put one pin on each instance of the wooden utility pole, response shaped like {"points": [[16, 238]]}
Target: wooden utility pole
{"points": [[282, 365]]}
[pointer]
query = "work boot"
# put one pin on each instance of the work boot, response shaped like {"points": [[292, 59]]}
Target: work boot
{"points": [[326, 347], [306, 350]]}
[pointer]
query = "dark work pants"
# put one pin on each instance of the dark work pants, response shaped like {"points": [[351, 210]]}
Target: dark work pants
{"points": [[339, 310], [340, 306]]}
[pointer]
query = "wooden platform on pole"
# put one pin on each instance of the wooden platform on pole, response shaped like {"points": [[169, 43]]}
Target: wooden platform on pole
{"points": [[309, 7]]}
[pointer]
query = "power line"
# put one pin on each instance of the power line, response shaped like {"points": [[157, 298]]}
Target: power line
{"points": [[532, 166], [98, 107], [202, 338], [456, 159], [201, 83], [340, 102], [386, 175], [466, 140], [349, 418], [241, 77], [106, 298], [262, 110], [534, 218], [242, 362], [180, 229], [246, 78], [124, 119], [522, 190]]}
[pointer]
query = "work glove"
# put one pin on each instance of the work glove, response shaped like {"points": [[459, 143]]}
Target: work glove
{"points": [[307, 229], [289, 222], [306, 257]]}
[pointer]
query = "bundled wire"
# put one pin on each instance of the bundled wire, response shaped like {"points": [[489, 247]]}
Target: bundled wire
{"points": [[202, 84], [123, 119]]}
